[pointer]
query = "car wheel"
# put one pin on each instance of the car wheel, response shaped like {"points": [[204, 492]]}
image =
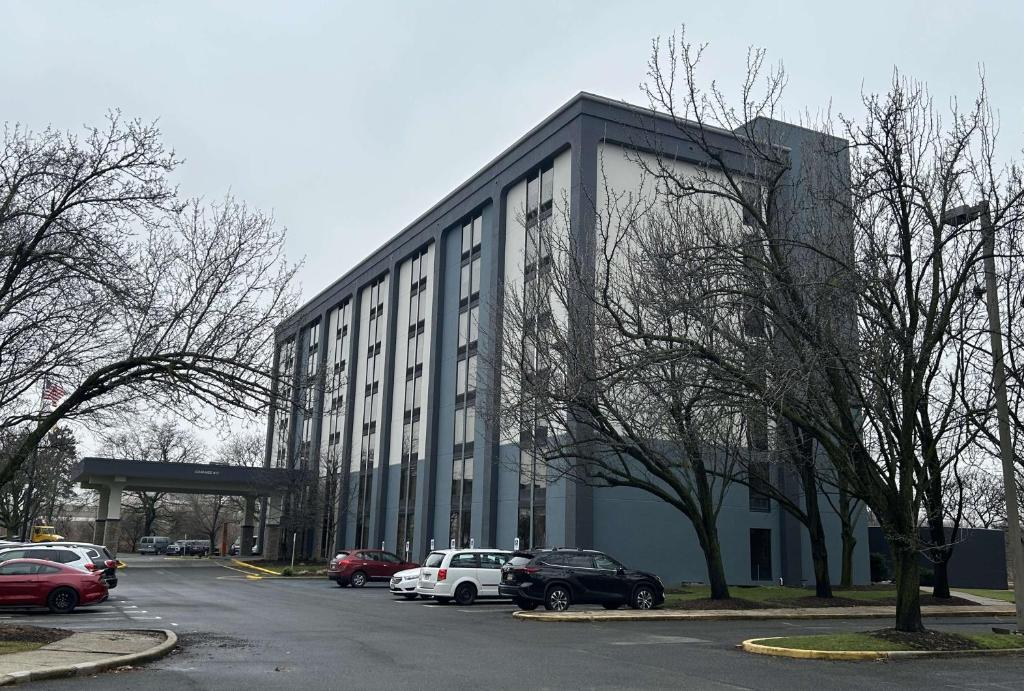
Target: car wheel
{"points": [[62, 600], [612, 605], [643, 598], [465, 594], [557, 599], [443, 600], [410, 596], [358, 579], [528, 605]]}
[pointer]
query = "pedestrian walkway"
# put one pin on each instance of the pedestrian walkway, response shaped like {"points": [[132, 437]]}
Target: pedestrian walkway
{"points": [[1002, 609], [85, 653], [978, 599]]}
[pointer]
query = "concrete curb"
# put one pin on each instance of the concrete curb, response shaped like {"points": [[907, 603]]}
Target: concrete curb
{"points": [[756, 646], [84, 668], [747, 615], [239, 562]]}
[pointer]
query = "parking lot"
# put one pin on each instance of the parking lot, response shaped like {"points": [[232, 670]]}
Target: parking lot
{"points": [[239, 632]]}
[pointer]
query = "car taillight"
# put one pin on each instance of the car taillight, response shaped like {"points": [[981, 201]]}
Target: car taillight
{"points": [[442, 574], [110, 564], [90, 566], [530, 569]]}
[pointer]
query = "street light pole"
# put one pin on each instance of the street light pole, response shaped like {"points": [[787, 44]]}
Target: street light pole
{"points": [[958, 217], [1003, 412]]}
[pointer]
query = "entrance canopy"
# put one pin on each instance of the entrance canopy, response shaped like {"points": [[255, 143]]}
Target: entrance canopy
{"points": [[183, 478], [112, 476]]}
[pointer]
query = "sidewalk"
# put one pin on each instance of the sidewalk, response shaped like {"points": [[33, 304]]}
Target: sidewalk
{"points": [[86, 652], [1002, 609], [979, 599]]}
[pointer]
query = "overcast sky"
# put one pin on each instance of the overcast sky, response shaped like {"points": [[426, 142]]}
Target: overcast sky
{"points": [[349, 120]]}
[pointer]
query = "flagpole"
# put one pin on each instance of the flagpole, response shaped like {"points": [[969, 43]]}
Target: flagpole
{"points": [[26, 520]]}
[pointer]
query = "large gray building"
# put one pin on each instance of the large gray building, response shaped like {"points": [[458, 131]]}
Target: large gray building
{"points": [[383, 372]]}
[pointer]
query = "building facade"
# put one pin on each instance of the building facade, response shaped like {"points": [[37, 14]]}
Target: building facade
{"points": [[384, 375]]}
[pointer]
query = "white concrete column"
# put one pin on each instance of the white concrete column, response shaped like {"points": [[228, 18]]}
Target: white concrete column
{"points": [[112, 524], [248, 521], [101, 516], [272, 538]]}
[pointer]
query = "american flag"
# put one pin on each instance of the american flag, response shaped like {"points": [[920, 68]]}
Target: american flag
{"points": [[53, 392]]}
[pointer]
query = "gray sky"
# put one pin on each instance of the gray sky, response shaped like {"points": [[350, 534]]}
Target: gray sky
{"points": [[350, 120]]}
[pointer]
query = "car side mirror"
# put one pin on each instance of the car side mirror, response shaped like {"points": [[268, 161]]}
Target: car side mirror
{"points": [[620, 571]]}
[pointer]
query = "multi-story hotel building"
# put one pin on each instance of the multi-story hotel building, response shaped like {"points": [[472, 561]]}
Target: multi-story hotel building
{"points": [[383, 374]]}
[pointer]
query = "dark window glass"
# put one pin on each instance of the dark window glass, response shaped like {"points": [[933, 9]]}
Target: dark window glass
{"points": [[465, 560], [760, 554], [492, 560], [603, 561], [434, 559], [554, 559]]}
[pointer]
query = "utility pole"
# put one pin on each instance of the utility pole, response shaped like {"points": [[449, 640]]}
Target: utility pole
{"points": [[960, 216]]}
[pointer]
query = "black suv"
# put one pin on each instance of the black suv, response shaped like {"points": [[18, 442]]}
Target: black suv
{"points": [[558, 578]]}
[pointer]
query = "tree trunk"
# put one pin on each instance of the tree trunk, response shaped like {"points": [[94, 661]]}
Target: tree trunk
{"points": [[815, 530], [712, 550], [908, 591], [849, 543], [942, 553]]}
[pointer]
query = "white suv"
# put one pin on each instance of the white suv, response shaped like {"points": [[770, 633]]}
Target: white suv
{"points": [[77, 557], [462, 574]]}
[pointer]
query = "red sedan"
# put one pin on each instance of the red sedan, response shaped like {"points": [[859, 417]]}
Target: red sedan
{"points": [[34, 582], [356, 567]]}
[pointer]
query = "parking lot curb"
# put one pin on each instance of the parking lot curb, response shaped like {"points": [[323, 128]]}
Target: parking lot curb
{"points": [[758, 647], [83, 668], [239, 562], [755, 614]]}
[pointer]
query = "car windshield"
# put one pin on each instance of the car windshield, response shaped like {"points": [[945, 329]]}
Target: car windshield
{"points": [[341, 555], [434, 559]]}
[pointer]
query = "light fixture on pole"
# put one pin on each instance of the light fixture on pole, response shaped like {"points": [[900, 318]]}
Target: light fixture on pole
{"points": [[960, 216]]}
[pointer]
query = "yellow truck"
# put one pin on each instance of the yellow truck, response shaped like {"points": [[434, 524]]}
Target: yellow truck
{"points": [[45, 533]]}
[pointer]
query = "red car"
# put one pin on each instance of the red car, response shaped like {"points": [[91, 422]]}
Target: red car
{"points": [[357, 566], [39, 583]]}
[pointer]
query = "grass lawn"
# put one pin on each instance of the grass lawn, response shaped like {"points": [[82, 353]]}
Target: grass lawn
{"points": [[778, 596], [1005, 595], [871, 641], [7, 647]]}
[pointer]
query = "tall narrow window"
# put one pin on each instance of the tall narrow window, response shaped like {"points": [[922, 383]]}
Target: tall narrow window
{"points": [[531, 528], [335, 386], [465, 382], [283, 402], [371, 403], [413, 398], [307, 395]]}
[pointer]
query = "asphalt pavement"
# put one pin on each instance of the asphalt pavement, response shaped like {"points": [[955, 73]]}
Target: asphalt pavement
{"points": [[237, 632]]}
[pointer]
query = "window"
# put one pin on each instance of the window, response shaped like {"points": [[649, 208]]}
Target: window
{"points": [[755, 196], [531, 527], [40, 568], [434, 560], [465, 380], [465, 560], [414, 357], [17, 569], [580, 561], [492, 560], [760, 554], [374, 366], [758, 479], [603, 561]]}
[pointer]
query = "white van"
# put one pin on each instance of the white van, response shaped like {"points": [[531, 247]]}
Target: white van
{"points": [[462, 575], [153, 544]]}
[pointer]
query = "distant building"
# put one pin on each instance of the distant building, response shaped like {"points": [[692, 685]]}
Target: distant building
{"points": [[387, 369]]}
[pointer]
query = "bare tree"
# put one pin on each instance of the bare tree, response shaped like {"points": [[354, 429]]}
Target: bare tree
{"points": [[157, 441], [43, 487], [123, 293], [866, 295]]}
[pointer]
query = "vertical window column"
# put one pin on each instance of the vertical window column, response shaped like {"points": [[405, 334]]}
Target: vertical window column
{"points": [[414, 356], [465, 382], [283, 402], [334, 421], [531, 526], [371, 397]]}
